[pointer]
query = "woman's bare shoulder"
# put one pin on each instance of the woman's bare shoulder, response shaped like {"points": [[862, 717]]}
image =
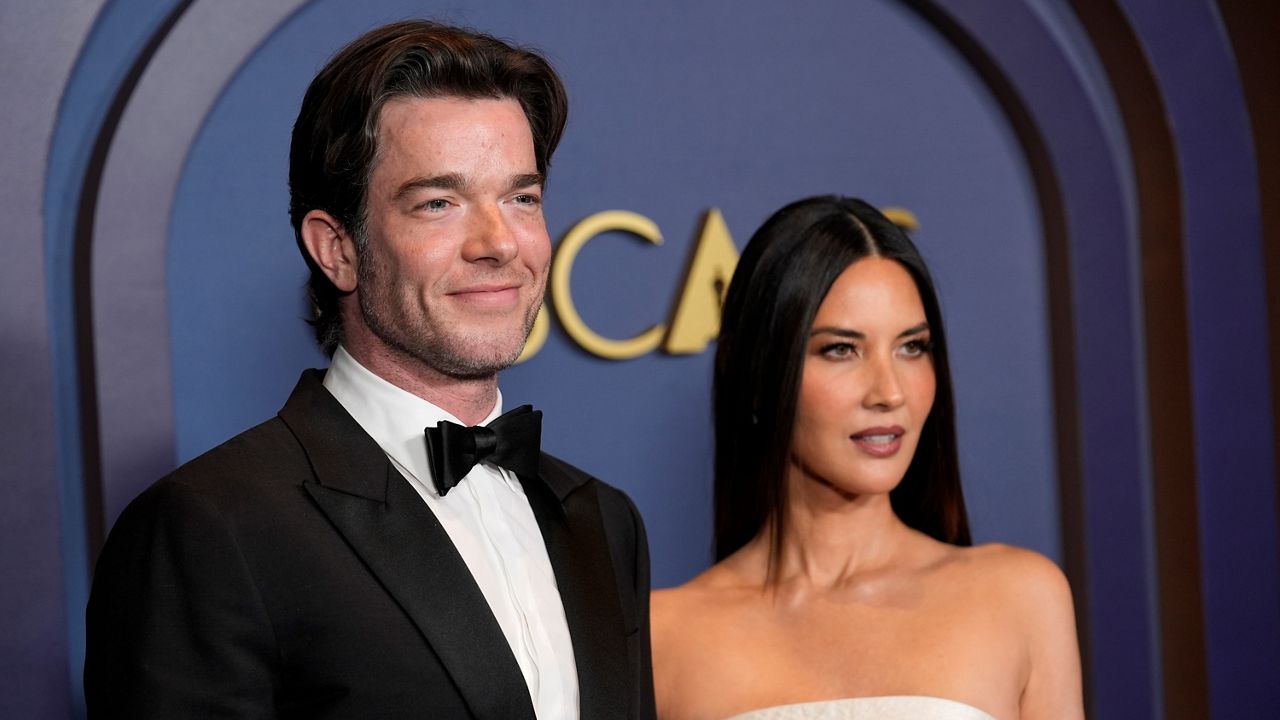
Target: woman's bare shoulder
{"points": [[1032, 593], [692, 627], [711, 588], [1025, 576], [704, 608], [1022, 610], [1027, 591], [667, 604]]}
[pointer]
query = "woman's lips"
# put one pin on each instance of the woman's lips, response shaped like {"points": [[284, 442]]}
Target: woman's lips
{"points": [[879, 442]]}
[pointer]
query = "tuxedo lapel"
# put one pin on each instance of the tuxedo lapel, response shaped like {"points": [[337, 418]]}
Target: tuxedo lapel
{"points": [[403, 544], [568, 514]]}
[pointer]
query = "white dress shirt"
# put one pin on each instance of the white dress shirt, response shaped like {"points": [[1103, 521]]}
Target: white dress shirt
{"points": [[489, 520]]}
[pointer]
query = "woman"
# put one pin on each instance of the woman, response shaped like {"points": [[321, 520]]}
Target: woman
{"points": [[845, 585]]}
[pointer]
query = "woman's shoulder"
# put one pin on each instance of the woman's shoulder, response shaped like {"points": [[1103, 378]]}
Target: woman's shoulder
{"points": [[690, 625], [705, 640], [706, 609], [715, 586], [1021, 586], [1033, 597], [1009, 569]]}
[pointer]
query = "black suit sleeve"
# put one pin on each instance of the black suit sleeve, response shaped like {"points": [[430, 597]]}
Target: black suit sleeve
{"points": [[645, 705], [176, 627], [630, 548]]}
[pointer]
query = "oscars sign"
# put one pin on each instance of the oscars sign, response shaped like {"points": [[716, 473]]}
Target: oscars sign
{"points": [[696, 320]]}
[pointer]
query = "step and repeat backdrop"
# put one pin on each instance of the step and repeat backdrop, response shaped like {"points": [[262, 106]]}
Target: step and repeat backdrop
{"points": [[165, 295]]}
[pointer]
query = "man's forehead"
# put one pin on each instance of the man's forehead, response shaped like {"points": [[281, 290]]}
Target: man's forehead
{"points": [[451, 134], [407, 109]]}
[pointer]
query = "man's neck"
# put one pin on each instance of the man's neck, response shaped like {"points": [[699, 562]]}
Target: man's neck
{"points": [[470, 400]]}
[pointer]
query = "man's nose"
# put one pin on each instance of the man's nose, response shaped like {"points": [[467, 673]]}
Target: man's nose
{"points": [[490, 237]]}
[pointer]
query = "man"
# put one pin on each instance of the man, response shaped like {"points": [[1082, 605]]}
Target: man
{"points": [[334, 561]]}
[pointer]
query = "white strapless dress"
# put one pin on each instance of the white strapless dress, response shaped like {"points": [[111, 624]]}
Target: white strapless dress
{"points": [[898, 707]]}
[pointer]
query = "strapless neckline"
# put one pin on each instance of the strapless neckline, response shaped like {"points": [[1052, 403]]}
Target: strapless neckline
{"points": [[888, 707]]}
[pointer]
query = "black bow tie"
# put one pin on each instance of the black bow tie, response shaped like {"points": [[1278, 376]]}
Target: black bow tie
{"points": [[510, 441]]}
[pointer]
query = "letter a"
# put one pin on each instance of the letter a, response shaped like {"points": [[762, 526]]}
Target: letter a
{"points": [[696, 321]]}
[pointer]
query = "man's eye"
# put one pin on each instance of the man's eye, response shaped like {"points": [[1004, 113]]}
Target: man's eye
{"points": [[435, 204], [528, 199]]}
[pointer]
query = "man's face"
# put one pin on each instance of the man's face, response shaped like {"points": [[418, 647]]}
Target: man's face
{"points": [[456, 264]]}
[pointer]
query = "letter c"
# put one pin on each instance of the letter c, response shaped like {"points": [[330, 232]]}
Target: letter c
{"points": [[562, 298]]}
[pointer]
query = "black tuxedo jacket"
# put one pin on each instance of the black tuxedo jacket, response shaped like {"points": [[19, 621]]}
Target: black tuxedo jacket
{"points": [[292, 572]]}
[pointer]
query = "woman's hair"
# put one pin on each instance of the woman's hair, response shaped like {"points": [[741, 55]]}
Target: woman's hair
{"points": [[782, 278]]}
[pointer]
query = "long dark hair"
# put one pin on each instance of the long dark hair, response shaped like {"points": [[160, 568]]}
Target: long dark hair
{"points": [[335, 135], [784, 274]]}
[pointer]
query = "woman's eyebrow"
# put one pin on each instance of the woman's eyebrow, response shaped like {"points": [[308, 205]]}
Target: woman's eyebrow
{"points": [[859, 335], [838, 331]]}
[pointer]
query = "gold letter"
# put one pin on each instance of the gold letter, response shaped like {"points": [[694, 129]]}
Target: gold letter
{"points": [[697, 316], [901, 217], [561, 296]]}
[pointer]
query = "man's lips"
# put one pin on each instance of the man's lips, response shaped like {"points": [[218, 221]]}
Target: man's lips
{"points": [[497, 295], [485, 288], [879, 442]]}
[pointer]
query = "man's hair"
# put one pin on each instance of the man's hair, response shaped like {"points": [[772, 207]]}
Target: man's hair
{"points": [[335, 136]]}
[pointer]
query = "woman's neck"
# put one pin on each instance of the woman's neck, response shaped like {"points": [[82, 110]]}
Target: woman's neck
{"points": [[831, 540]]}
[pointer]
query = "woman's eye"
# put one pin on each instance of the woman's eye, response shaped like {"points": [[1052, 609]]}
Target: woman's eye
{"points": [[839, 350], [916, 348]]}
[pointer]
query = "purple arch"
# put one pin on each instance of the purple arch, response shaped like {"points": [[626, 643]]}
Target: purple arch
{"points": [[1229, 349], [200, 54], [1108, 378]]}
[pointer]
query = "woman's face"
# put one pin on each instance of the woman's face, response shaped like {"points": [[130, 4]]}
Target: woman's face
{"points": [[868, 382]]}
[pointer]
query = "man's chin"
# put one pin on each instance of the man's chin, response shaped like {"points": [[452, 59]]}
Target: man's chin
{"points": [[473, 368], [479, 358], [463, 348]]}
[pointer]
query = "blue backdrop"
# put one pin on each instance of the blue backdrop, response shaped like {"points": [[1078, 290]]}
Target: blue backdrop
{"points": [[154, 292], [679, 120]]}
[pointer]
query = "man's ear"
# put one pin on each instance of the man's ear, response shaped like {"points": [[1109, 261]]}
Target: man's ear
{"points": [[331, 247]]}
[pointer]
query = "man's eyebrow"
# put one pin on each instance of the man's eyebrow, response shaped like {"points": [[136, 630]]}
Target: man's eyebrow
{"points": [[527, 180], [857, 335], [448, 181], [457, 183]]}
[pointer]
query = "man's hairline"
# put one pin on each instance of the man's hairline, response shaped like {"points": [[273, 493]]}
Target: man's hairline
{"points": [[359, 231]]}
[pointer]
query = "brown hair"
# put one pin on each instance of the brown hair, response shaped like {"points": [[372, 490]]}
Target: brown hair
{"points": [[335, 135]]}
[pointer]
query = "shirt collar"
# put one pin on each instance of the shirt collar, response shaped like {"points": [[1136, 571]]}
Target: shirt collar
{"points": [[395, 418]]}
